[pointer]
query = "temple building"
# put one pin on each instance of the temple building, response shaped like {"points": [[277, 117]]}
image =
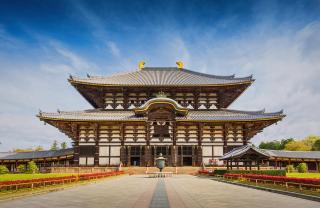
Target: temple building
{"points": [[137, 115], [180, 113]]}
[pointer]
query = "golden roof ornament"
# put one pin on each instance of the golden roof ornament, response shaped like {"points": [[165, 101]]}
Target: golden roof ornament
{"points": [[180, 65], [141, 65]]}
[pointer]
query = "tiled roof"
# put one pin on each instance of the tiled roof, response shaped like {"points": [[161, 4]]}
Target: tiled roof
{"points": [[161, 76], [206, 115], [294, 154], [271, 153], [229, 115], [92, 115], [38, 154], [239, 151]]}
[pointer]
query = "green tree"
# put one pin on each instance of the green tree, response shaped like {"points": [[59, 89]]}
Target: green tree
{"points": [[64, 145], [54, 145], [273, 145], [316, 145], [32, 167], [297, 146], [289, 168], [283, 142], [302, 168], [3, 169], [21, 168]]}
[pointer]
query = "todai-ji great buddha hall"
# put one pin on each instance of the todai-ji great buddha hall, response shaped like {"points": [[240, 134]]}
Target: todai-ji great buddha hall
{"points": [[137, 115]]}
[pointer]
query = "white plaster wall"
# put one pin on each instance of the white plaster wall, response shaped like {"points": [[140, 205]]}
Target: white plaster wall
{"points": [[115, 151], [218, 150]]}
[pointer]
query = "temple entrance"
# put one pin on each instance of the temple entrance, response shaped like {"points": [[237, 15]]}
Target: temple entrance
{"points": [[187, 161], [185, 156], [135, 161], [136, 154]]}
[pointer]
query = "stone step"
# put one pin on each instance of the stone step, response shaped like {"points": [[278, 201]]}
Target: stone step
{"points": [[143, 170]]}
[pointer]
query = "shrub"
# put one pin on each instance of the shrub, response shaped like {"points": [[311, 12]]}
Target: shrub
{"points": [[302, 168], [3, 169], [21, 168], [220, 172], [289, 168], [32, 167]]}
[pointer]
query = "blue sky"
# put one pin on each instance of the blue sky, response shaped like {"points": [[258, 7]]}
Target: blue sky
{"points": [[42, 42]]}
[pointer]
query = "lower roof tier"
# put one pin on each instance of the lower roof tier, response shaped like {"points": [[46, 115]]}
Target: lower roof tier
{"points": [[195, 116]]}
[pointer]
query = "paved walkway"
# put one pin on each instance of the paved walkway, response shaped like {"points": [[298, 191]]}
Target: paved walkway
{"points": [[178, 191]]}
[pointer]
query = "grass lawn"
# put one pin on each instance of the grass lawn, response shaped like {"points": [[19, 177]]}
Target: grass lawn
{"points": [[304, 175], [13, 177]]}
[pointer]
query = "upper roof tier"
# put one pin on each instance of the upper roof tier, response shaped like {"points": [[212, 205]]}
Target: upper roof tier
{"points": [[161, 76]]}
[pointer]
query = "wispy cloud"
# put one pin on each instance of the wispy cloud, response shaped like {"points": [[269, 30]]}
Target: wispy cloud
{"points": [[282, 56]]}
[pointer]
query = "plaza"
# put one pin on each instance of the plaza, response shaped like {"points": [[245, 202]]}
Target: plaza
{"points": [[141, 191]]}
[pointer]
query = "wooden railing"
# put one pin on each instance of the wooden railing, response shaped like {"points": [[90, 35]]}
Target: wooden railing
{"points": [[43, 182], [286, 184]]}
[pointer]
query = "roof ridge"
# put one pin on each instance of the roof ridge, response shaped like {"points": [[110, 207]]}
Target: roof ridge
{"points": [[227, 77], [253, 112]]}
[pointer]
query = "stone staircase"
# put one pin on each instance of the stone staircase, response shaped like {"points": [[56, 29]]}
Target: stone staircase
{"points": [[133, 170]]}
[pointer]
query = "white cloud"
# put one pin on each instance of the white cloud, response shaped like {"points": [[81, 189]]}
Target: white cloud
{"points": [[112, 46], [285, 64]]}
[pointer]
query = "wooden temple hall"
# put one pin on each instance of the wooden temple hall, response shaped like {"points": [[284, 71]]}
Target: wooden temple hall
{"points": [[137, 115]]}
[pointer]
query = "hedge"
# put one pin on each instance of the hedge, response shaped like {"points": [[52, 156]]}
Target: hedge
{"points": [[313, 181], [258, 172]]}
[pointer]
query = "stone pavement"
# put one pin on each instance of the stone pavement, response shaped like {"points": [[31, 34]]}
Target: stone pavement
{"points": [[139, 192]]}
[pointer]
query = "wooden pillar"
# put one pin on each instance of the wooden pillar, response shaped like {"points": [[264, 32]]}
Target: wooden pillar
{"points": [[193, 156], [181, 156], [199, 148], [128, 156], [227, 164], [173, 155], [237, 165], [76, 153], [231, 164], [225, 144], [250, 164], [147, 155], [96, 139], [258, 164]]}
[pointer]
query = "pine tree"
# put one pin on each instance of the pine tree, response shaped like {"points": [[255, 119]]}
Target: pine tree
{"points": [[63, 145], [54, 146]]}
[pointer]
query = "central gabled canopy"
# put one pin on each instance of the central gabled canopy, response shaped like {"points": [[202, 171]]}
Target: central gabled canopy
{"points": [[161, 103]]}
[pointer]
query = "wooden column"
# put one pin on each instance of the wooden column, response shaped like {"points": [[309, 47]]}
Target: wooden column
{"points": [[147, 155], [173, 155], [123, 155], [245, 135], [128, 156], [76, 149], [96, 139], [225, 143], [199, 147], [193, 156]]}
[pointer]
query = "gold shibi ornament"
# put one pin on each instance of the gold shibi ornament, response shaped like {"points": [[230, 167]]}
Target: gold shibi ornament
{"points": [[180, 65], [141, 65]]}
